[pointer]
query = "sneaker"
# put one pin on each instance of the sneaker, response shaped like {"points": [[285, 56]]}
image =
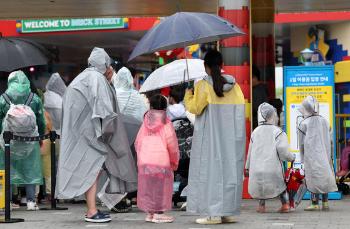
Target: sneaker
{"points": [[228, 219], [162, 218], [284, 208], [99, 217], [209, 220], [149, 218], [312, 207], [122, 207], [261, 209], [32, 206], [183, 207], [14, 206], [325, 206]]}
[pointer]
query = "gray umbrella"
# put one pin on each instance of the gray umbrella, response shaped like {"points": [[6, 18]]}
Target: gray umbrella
{"points": [[16, 53], [184, 29]]}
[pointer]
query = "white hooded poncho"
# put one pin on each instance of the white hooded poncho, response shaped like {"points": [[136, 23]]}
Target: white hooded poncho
{"points": [[267, 150], [315, 147], [130, 101]]}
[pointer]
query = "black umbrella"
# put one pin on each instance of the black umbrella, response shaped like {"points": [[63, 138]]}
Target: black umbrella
{"points": [[18, 53]]}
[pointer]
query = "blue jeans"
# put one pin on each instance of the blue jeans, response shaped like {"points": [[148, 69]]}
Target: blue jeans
{"points": [[30, 192]]}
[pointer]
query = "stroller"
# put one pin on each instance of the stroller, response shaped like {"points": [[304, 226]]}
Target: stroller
{"points": [[344, 172], [184, 133]]}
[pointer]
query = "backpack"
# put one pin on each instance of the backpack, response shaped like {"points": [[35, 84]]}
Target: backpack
{"points": [[21, 121]]}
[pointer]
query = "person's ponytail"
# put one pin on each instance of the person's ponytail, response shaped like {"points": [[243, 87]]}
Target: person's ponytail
{"points": [[213, 60]]}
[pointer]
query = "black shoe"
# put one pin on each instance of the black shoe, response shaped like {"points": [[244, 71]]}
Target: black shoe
{"points": [[121, 207], [99, 217]]}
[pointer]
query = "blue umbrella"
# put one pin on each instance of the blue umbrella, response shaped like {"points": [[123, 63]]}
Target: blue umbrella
{"points": [[184, 29]]}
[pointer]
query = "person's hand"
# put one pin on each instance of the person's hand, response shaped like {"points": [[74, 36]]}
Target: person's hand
{"points": [[246, 172], [173, 166]]}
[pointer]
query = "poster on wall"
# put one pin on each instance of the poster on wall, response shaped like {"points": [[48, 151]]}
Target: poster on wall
{"points": [[299, 82]]}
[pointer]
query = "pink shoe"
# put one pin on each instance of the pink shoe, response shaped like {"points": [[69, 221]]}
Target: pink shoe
{"points": [[261, 209], [162, 218], [149, 218]]}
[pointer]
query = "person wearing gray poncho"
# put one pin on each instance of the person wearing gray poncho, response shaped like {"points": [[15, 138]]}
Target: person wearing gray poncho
{"points": [[218, 145], [93, 137], [267, 150], [55, 89], [315, 144]]}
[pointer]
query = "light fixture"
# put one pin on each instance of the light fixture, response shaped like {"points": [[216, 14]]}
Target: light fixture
{"points": [[307, 54]]}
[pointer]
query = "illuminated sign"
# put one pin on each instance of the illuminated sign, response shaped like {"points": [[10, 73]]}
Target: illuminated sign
{"points": [[76, 24]]}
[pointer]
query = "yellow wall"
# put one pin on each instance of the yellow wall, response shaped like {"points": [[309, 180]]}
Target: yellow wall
{"points": [[340, 31]]}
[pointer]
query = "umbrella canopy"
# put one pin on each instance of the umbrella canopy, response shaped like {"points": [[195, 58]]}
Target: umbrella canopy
{"points": [[16, 54], [183, 29], [174, 73]]}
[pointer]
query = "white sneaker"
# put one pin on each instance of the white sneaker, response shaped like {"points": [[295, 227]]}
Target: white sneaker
{"points": [[32, 206], [183, 206], [209, 220], [14, 206]]}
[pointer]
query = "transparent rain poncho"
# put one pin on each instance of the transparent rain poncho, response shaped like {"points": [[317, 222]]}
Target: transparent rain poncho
{"points": [[130, 101], [53, 97], [25, 157], [315, 137], [157, 157], [268, 148]]}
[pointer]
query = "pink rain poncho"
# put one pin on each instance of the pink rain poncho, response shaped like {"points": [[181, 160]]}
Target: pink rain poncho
{"points": [[157, 157]]}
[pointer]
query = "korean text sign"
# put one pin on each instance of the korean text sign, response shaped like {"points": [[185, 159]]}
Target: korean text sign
{"points": [[299, 82]]}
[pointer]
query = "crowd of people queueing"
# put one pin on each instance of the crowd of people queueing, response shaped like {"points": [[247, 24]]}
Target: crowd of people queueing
{"points": [[100, 151]]}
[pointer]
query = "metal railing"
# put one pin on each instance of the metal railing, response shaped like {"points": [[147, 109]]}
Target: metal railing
{"points": [[8, 136]]}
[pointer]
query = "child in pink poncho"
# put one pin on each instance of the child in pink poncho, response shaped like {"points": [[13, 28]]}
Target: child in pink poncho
{"points": [[157, 157]]}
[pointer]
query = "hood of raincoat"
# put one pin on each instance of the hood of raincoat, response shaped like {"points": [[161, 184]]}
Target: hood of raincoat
{"points": [[123, 80], [18, 85], [176, 111], [267, 114], [99, 60], [309, 106], [155, 120], [230, 82], [56, 84]]}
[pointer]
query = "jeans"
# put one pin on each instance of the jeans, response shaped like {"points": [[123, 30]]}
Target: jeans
{"points": [[30, 192], [316, 197]]}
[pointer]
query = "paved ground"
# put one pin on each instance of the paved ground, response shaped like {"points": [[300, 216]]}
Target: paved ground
{"points": [[337, 218]]}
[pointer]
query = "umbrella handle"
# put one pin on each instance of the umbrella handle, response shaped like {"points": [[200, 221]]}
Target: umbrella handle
{"points": [[188, 74]]}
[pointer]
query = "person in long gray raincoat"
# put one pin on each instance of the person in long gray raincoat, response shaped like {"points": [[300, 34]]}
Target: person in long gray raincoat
{"points": [[315, 145], [217, 156], [93, 137], [53, 97], [267, 150]]}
